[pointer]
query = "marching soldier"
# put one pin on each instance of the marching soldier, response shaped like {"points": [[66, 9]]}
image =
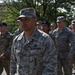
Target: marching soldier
{"points": [[5, 47], [33, 51]]}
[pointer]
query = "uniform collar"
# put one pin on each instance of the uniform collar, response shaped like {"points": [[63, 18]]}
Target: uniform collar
{"points": [[33, 36]]}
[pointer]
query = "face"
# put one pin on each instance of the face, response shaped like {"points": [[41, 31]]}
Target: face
{"points": [[45, 28], [52, 27], [39, 26], [3, 29], [27, 24], [60, 25], [74, 27], [19, 24]]}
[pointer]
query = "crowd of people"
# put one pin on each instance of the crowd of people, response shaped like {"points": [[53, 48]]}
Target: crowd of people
{"points": [[37, 47], [64, 40]]}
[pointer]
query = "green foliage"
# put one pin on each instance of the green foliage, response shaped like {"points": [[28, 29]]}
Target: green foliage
{"points": [[45, 9]]}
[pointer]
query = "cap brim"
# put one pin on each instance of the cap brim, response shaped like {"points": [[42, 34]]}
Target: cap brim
{"points": [[58, 21], [73, 23], [27, 16], [21, 16]]}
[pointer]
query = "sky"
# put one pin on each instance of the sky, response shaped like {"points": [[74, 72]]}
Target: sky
{"points": [[1, 1]]}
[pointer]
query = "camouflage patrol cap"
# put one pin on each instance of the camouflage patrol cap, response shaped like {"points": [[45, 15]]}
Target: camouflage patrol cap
{"points": [[61, 19], [3, 24], [70, 26], [73, 22], [27, 12], [46, 23], [53, 24], [39, 22]]}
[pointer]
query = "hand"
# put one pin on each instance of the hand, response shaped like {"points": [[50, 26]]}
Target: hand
{"points": [[2, 57]]}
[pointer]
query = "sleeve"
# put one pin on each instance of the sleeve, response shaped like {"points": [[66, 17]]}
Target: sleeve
{"points": [[71, 44], [49, 58], [13, 65], [8, 48]]}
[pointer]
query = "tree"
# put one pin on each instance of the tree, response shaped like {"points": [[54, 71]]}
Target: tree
{"points": [[45, 9]]}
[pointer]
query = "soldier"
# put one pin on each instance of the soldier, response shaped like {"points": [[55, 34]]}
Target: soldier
{"points": [[45, 26], [70, 27], [73, 25], [63, 37], [52, 28], [18, 31], [5, 47], [73, 29], [33, 51], [39, 25]]}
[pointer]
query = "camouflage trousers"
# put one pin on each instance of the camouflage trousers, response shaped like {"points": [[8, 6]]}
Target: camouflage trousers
{"points": [[5, 65], [64, 67]]}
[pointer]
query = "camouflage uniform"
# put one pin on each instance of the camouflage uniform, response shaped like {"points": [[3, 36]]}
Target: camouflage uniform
{"points": [[74, 36], [34, 55], [51, 34], [52, 28], [64, 44], [5, 47], [74, 49], [17, 32], [73, 29]]}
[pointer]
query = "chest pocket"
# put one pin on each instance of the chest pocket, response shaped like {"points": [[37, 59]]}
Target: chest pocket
{"points": [[64, 38], [35, 56], [35, 47], [35, 50]]}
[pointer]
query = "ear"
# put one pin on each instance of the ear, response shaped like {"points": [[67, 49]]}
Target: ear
{"points": [[35, 19]]}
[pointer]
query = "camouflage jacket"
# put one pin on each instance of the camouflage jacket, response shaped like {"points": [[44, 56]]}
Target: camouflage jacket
{"points": [[74, 37], [17, 32], [5, 44], [34, 55], [64, 42]]}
